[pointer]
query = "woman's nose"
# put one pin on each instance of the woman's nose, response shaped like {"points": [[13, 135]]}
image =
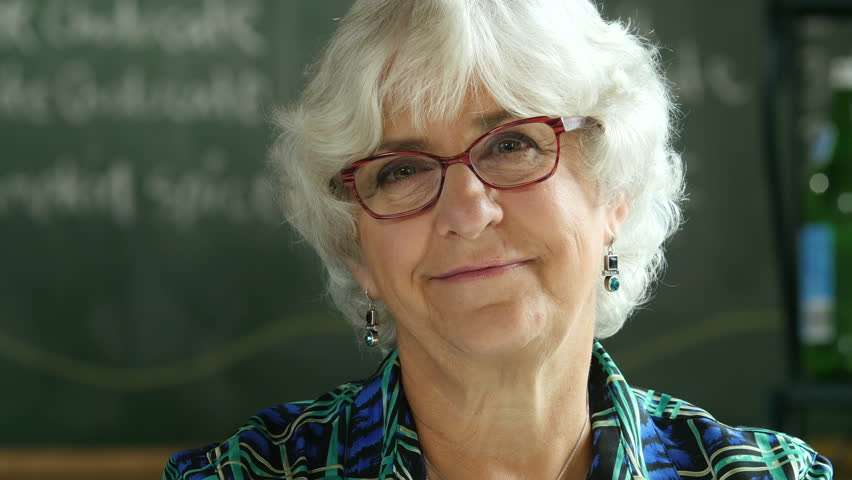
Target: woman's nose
{"points": [[466, 206]]}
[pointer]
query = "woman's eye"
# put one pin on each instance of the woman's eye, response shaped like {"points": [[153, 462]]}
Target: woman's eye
{"points": [[509, 146], [514, 144], [394, 172], [403, 172]]}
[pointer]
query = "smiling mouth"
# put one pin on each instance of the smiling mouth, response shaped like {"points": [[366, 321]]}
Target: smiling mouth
{"points": [[479, 273]]}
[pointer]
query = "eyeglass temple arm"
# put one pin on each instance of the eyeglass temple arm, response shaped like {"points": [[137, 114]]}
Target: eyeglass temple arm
{"points": [[573, 123]]}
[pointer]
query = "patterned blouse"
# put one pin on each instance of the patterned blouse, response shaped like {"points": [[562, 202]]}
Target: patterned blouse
{"points": [[365, 430]]}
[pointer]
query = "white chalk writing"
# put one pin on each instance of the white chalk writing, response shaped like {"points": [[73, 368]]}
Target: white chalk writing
{"points": [[208, 192], [22, 98], [177, 27], [16, 25], [78, 94], [182, 199], [695, 75], [67, 189]]}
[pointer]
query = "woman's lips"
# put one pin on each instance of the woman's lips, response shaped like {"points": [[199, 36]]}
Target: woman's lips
{"points": [[480, 273]]}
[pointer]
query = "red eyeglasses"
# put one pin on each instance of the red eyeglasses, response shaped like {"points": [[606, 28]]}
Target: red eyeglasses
{"points": [[514, 155]]}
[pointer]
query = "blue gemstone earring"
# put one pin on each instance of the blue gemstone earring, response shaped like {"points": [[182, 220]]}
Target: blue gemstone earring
{"points": [[610, 271], [372, 336]]}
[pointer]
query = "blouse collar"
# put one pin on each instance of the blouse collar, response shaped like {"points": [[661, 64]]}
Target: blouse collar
{"points": [[626, 443]]}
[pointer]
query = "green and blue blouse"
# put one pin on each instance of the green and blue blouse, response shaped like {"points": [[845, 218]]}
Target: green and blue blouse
{"points": [[365, 430]]}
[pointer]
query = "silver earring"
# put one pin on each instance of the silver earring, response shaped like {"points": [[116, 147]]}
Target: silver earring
{"points": [[610, 271], [372, 336]]}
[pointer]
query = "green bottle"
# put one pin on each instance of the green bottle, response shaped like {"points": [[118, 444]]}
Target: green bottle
{"points": [[824, 241], [840, 195], [817, 333]]}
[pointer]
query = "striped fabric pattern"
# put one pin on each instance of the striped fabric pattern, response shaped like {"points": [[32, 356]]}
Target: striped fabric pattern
{"points": [[365, 430]]}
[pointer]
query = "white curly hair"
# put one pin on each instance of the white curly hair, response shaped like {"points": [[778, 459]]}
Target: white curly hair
{"points": [[533, 57]]}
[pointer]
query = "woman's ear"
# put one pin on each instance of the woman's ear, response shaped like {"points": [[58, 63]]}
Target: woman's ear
{"points": [[364, 277], [617, 211]]}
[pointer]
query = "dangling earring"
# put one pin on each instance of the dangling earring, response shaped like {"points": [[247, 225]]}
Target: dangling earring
{"points": [[372, 336], [610, 271]]}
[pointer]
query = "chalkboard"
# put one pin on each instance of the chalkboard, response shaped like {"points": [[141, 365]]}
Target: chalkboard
{"points": [[149, 292]]}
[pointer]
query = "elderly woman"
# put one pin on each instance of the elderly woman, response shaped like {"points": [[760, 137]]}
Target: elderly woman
{"points": [[490, 185]]}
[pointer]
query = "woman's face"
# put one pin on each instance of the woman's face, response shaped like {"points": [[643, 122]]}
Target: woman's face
{"points": [[550, 238]]}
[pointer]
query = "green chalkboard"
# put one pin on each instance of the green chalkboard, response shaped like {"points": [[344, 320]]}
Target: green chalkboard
{"points": [[149, 291]]}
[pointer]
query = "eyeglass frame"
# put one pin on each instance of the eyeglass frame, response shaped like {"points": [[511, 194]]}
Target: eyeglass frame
{"points": [[559, 125]]}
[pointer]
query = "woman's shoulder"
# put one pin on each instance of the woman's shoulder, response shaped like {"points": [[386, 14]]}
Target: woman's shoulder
{"points": [[696, 442], [275, 441]]}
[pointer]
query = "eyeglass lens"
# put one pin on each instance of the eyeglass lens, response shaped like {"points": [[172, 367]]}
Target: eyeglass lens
{"points": [[513, 156]]}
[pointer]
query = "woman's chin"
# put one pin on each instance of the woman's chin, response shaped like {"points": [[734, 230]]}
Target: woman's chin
{"points": [[496, 333]]}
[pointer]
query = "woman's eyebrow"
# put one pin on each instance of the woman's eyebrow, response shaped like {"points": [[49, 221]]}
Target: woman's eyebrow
{"points": [[403, 145], [491, 120], [486, 121]]}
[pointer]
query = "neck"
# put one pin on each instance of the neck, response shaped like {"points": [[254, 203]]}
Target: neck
{"points": [[518, 417]]}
